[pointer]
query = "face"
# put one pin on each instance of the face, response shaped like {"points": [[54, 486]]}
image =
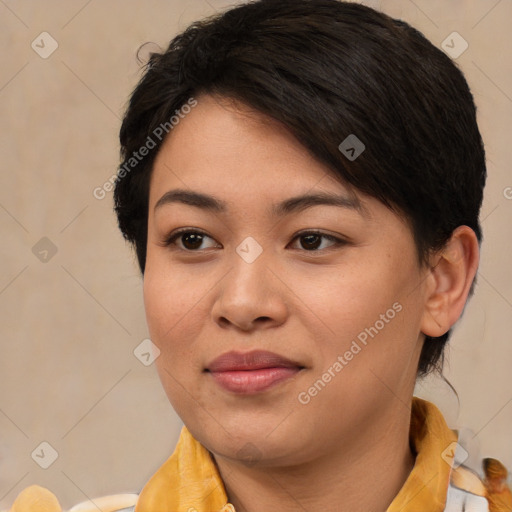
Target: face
{"points": [[285, 325]]}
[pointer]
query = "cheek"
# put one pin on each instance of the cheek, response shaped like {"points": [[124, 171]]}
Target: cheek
{"points": [[157, 299], [171, 297], [178, 308], [373, 310], [353, 301], [171, 310], [168, 306]]}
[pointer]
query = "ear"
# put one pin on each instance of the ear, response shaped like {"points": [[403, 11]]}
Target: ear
{"points": [[449, 281]]}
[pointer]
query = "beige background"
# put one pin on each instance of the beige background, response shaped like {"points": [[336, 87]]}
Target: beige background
{"points": [[69, 325]]}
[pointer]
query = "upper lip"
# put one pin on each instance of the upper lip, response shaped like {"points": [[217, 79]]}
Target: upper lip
{"points": [[255, 360]]}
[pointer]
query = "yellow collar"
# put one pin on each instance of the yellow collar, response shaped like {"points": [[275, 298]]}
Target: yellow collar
{"points": [[189, 480]]}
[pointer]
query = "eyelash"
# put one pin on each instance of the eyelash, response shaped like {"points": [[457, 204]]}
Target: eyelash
{"points": [[170, 240]]}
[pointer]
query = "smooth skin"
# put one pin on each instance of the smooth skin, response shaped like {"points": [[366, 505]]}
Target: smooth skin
{"points": [[304, 297]]}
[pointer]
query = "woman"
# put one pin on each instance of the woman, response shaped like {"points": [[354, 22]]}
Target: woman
{"points": [[302, 181]]}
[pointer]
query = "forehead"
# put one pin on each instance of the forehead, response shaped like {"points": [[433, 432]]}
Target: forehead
{"points": [[227, 148]]}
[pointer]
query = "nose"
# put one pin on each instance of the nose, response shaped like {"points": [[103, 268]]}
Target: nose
{"points": [[250, 296]]}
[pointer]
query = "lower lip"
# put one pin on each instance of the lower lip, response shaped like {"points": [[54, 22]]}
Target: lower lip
{"points": [[253, 381]]}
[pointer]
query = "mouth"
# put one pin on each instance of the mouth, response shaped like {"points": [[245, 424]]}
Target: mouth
{"points": [[251, 372]]}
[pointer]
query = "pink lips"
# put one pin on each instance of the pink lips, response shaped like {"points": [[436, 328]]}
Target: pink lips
{"points": [[251, 372]]}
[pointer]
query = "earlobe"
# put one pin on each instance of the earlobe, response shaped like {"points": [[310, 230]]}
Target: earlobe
{"points": [[449, 281]]}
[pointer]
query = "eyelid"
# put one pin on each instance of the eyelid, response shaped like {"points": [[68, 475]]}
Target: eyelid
{"points": [[169, 240], [337, 240]]}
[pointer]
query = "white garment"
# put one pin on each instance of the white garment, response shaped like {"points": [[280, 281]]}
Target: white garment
{"points": [[458, 500]]}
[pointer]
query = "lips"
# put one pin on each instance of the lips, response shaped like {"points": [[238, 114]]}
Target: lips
{"points": [[251, 372], [255, 360]]}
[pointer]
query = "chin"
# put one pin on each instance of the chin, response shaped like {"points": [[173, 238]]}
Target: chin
{"points": [[251, 439]]}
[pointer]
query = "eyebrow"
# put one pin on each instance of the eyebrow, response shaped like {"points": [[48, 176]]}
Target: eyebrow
{"points": [[292, 205]]}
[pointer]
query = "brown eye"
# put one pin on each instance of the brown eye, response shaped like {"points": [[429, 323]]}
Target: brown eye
{"points": [[311, 241], [192, 240], [188, 240]]}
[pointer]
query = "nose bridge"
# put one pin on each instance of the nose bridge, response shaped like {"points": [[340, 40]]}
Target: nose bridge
{"points": [[249, 291], [249, 273]]}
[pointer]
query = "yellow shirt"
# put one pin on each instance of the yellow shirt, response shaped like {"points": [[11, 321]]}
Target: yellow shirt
{"points": [[189, 481]]}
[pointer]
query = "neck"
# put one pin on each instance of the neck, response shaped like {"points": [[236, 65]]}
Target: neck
{"points": [[366, 476]]}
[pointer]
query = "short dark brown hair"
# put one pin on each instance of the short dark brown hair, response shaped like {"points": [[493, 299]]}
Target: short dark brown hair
{"points": [[326, 69]]}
